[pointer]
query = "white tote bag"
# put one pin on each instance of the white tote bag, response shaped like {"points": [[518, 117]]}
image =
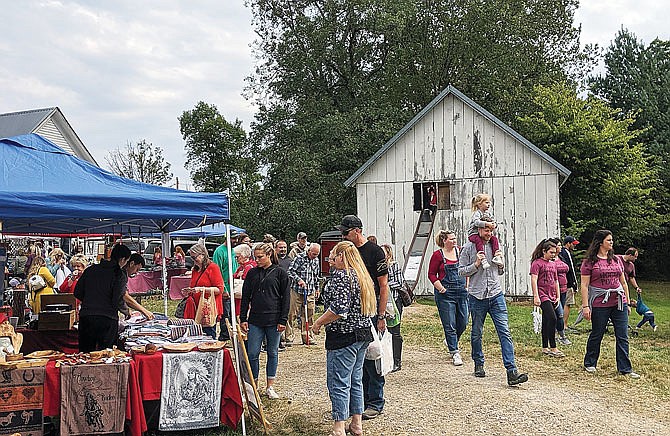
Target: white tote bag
{"points": [[374, 350], [384, 365], [537, 320]]}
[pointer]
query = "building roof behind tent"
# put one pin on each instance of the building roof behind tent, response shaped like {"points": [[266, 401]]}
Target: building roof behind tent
{"points": [[351, 181], [49, 123]]}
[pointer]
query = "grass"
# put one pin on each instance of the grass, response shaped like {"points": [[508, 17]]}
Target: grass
{"points": [[649, 352]]}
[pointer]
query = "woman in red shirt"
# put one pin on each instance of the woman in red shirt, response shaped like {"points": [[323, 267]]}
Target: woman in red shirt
{"points": [[206, 278], [78, 264]]}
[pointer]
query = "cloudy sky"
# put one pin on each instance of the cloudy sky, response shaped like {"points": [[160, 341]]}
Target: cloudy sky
{"points": [[125, 70]]}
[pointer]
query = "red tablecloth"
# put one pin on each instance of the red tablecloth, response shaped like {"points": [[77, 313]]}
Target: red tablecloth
{"points": [[66, 341], [150, 377], [134, 409], [177, 283], [148, 280]]}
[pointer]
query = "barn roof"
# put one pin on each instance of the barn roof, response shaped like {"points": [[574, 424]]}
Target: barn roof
{"points": [[37, 121], [351, 181]]}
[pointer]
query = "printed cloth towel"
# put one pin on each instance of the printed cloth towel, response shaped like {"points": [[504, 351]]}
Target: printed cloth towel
{"points": [[191, 390], [21, 398], [93, 398]]}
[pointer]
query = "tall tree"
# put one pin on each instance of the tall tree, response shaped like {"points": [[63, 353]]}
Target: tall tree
{"points": [[337, 78], [612, 185], [141, 161], [220, 158], [637, 82]]}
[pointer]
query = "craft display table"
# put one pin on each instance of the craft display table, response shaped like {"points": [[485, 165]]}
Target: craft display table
{"points": [[177, 283], [146, 281], [66, 341]]}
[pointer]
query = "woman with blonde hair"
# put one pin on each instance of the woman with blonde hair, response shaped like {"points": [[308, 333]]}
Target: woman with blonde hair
{"points": [[38, 268], [350, 303], [78, 264], [58, 267]]}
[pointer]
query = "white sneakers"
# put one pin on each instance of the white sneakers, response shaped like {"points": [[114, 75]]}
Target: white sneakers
{"points": [[271, 393], [458, 360], [498, 261], [485, 264]]}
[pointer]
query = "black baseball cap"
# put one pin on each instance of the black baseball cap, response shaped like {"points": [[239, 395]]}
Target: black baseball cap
{"points": [[350, 222]]}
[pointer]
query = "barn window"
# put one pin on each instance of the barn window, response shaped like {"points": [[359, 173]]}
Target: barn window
{"points": [[438, 191]]}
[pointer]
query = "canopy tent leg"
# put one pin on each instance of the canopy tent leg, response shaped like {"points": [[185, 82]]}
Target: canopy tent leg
{"points": [[234, 317]]}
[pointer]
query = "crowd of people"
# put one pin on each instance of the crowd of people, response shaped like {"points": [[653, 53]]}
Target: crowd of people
{"points": [[276, 286]]}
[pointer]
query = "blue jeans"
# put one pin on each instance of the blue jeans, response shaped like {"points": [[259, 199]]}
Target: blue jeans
{"points": [[345, 380], [599, 317], [497, 309], [254, 340], [452, 306], [373, 383]]}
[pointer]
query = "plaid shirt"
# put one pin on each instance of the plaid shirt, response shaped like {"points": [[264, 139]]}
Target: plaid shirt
{"points": [[396, 279], [306, 269]]}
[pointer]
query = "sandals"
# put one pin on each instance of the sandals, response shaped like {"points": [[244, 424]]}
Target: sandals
{"points": [[348, 430]]}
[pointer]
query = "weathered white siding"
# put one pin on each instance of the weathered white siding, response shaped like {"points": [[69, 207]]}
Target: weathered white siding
{"points": [[53, 134], [455, 143]]}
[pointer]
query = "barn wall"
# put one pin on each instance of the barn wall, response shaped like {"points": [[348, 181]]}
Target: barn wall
{"points": [[454, 143]]}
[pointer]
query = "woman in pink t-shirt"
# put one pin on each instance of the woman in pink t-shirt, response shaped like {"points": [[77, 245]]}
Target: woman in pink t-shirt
{"points": [[544, 282], [605, 296]]}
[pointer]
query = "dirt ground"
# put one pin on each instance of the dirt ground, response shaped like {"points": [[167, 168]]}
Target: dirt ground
{"points": [[430, 396]]}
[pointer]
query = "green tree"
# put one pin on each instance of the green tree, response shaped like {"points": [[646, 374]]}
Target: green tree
{"points": [[337, 78], [612, 185], [141, 161], [220, 158], [637, 82]]}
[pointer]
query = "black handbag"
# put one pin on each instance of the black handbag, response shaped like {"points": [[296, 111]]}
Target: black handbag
{"points": [[406, 294]]}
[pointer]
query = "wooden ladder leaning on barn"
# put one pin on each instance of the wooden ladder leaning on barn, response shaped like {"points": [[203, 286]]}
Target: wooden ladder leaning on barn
{"points": [[417, 250]]}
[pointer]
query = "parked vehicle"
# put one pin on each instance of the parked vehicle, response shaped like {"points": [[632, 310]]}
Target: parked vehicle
{"points": [[183, 243]]}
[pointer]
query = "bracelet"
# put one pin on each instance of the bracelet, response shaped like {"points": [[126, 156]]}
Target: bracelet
{"points": [[586, 307]]}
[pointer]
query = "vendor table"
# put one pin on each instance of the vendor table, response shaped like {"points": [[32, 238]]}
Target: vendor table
{"points": [[177, 283], [147, 280], [66, 341], [134, 409], [150, 377]]}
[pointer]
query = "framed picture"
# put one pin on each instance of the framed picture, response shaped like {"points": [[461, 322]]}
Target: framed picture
{"points": [[101, 249]]}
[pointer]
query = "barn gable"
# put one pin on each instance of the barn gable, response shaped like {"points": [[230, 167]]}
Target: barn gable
{"points": [[454, 138], [49, 123], [462, 149]]}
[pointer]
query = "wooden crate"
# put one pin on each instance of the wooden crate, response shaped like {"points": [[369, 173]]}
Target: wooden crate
{"points": [[56, 320]]}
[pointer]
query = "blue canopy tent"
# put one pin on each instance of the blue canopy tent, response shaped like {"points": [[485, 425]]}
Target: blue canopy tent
{"points": [[217, 229], [45, 190]]}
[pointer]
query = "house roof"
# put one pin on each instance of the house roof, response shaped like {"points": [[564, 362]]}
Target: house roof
{"points": [[37, 121], [24, 122], [351, 181]]}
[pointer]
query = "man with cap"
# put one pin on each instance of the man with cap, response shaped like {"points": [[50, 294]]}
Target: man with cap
{"points": [[568, 299], [299, 246], [375, 262]]}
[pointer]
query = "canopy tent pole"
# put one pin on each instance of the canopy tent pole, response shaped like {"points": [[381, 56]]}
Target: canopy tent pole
{"points": [[229, 245], [165, 246]]}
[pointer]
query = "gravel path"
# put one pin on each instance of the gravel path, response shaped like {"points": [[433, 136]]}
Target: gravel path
{"points": [[432, 397]]}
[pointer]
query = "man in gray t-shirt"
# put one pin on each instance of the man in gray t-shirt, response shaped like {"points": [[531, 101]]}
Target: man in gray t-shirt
{"points": [[485, 296]]}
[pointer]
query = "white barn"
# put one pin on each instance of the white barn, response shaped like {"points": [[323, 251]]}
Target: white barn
{"points": [[460, 148]]}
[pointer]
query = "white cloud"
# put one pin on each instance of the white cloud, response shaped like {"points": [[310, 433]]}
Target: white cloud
{"points": [[125, 70]]}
